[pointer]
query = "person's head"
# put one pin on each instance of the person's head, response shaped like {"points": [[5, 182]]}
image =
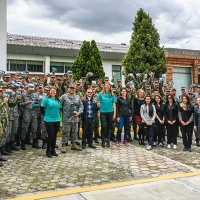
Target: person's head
{"points": [[89, 92], [53, 93], [190, 95], [158, 99], [183, 90], [185, 99], [147, 100], [123, 92], [140, 93], [41, 89], [58, 81], [173, 92], [155, 92], [71, 89], [1, 92], [198, 101], [170, 99], [106, 80], [53, 78], [30, 90], [99, 82], [119, 83], [107, 88], [94, 89]]}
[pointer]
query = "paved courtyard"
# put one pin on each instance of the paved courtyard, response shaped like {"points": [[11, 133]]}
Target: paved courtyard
{"points": [[30, 171]]}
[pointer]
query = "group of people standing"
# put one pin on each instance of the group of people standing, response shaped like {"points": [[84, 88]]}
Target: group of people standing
{"points": [[27, 106]]}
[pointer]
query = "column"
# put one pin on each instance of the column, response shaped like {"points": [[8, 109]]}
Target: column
{"points": [[3, 35]]}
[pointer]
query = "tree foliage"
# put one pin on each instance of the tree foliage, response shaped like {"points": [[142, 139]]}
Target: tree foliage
{"points": [[144, 54], [88, 60]]}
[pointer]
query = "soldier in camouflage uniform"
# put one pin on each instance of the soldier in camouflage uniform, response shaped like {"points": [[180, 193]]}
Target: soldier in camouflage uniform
{"points": [[60, 86], [72, 107], [3, 122], [30, 102], [52, 83]]}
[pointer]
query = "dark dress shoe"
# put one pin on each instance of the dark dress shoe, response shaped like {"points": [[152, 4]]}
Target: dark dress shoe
{"points": [[136, 138], [96, 140], [113, 139], [2, 159], [35, 146], [98, 136], [44, 146], [5, 153], [53, 153], [140, 142], [91, 146], [103, 144], [14, 148], [129, 139], [108, 144], [48, 154], [83, 145], [1, 164]]}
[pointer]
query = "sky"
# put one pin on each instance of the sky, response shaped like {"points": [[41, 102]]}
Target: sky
{"points": [[107, 21]]}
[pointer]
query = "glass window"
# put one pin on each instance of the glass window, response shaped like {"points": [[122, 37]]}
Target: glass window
{"points": [[67, 66], [17, 65], [58, 65], [116, 70], [35, 66]]}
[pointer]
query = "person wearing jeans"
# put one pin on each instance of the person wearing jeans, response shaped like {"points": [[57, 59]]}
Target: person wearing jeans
{"points": [[50, 108], [123, 115], [148, 115], [107, 102]]}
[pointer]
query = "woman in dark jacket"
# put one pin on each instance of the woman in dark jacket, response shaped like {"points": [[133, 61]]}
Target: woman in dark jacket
{"points": [[160, 120], [138, 101], [185, 115], [123, 115], [171, 117]]}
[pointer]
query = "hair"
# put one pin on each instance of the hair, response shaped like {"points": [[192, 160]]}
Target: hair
{"points": [[140, 90], [188, 104], [123, 88], [150, 106], [110, 90], [161, 100], [172, 96], [56, 97]]}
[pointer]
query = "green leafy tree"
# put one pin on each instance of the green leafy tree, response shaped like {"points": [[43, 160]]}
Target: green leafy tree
{"points": [[88, 60], [144, 54]]}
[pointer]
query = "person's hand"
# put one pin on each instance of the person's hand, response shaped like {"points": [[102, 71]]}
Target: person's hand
{"points": [[98, 114], [118, 119], [5, 100], [130, 119], [98, 104], [76, 114], [150, 123], [19, 96], [162, 121], [114, 116], [195, 128]]}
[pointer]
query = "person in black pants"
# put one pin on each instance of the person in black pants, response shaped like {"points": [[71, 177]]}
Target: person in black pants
{"points": [[185, 115], [171, 117], [89, 116], [50, 108], [159, 121]]}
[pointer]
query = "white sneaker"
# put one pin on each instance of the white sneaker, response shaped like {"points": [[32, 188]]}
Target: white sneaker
{"points": [[149, 147], [174, 147], [169, 146]]}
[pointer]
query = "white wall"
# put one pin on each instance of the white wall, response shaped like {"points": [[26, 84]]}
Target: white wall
{"points": [[3, 32]]}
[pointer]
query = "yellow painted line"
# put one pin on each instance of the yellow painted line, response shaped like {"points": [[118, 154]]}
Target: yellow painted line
{"points": [[106, 186]]}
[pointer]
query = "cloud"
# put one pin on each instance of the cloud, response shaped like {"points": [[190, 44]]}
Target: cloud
{"points": [[103, 20]]}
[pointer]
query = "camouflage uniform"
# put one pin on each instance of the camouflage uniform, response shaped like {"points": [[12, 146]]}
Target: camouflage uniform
{"points": [[70, 122], [30, 114]]}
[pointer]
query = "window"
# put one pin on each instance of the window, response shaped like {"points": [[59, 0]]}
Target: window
{"points": [[23, 65], [35, 66], [116, 69], [61, 67]]}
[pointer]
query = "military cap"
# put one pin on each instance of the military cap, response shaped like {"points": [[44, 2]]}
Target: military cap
{"points": [[148, 87], [31, 85], [99, 80], [83, 78], [173, 89], [72, 86], [6, 75], [198, 86], [119, 80], [47, 88], [0, 88], [59, 78], [183, 88], [68, 80], [77, 83], [156, 80], [165, 85], [52, 75], [41, 86], [190, 92], [171, 83], [3, 85], [168, 90], [113, 89], [106, 79], [93, 85]]}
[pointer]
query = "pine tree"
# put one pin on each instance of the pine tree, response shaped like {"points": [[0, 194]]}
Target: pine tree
{"points": [[88, 60], [144, 54]]}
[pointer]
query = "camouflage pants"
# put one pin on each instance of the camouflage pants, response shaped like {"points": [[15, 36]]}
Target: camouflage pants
{"points": [[29, 119], [12, 129], [3, 130], [41, 129], [66, 128]]}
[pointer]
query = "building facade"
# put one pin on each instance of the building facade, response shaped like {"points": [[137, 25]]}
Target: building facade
{"points": [[38, 55]]}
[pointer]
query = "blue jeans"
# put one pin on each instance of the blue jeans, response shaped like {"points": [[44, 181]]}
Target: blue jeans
{"points": [[124, 121]]}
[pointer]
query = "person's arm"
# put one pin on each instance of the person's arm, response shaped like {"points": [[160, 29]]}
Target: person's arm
{"points": [[142, 113], [191, 118], [114, 109], [154, 114], [117, 108]]}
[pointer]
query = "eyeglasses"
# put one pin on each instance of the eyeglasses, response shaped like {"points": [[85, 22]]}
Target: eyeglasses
{"points": [[89, 92]]}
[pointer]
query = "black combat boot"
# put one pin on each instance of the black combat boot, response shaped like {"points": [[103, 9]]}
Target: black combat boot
{"points": [[4, 152], [108, 143], [35, 144], [1, 164], [83, 144], [23, 147], [17, 139], [1, 158], [7, 148], [44, 144], [14, 147], [103, 143]]}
